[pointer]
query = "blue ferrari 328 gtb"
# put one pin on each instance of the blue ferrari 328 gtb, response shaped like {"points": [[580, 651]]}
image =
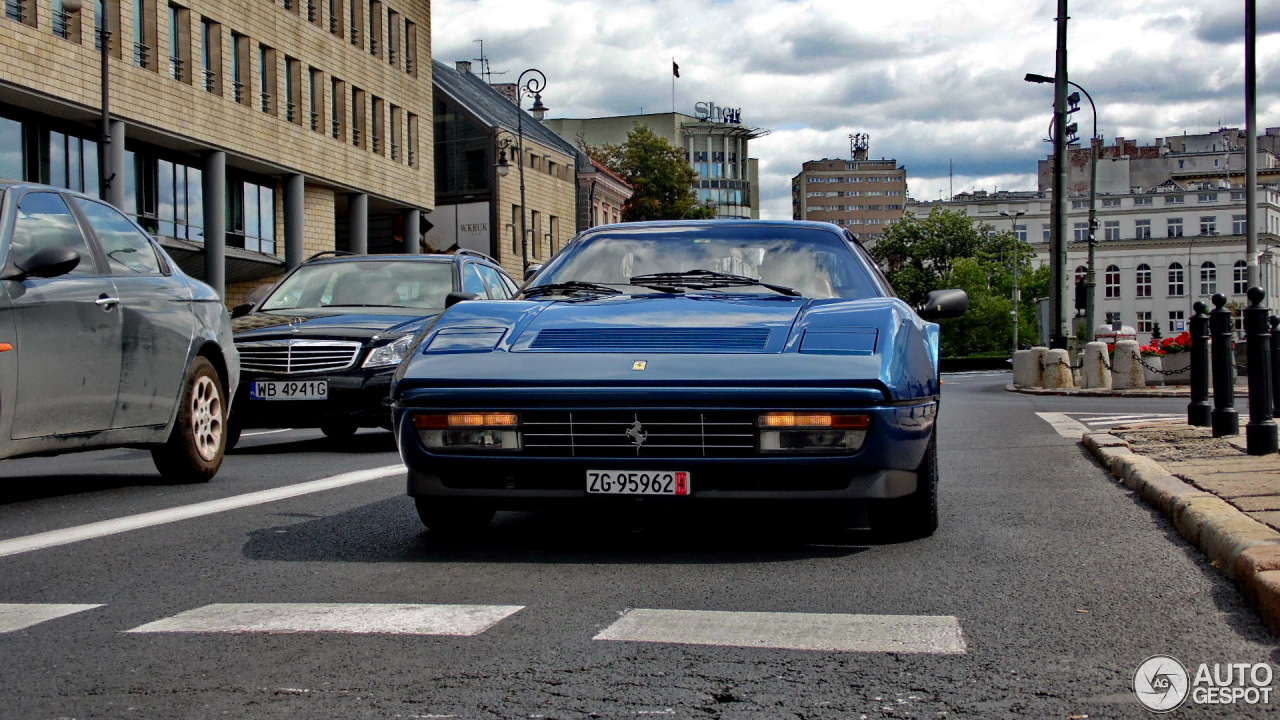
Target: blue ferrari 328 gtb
{"points": [[681, 362]]}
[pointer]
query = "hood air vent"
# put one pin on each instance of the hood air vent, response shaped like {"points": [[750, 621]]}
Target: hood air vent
{"points": [[700, 340]]}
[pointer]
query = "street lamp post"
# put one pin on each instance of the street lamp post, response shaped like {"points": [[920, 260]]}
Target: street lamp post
{"points": [[105, 176], [1090, 278], [1017, 260], [533, 88]]}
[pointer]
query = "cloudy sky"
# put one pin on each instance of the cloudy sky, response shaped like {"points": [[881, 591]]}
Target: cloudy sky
{"points": [[933, 82]]}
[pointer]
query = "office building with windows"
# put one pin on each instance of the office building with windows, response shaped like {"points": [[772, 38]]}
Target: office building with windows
{"points": [[715, 142], [861, 194], [1157, 251], [245, 134]]}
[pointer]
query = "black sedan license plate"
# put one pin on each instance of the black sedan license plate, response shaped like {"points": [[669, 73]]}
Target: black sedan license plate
{"points": [[289, 390], [641, 482]]}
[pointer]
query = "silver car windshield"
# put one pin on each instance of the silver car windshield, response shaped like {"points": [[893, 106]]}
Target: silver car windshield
{"points": [[814, 263], [364, 284]]}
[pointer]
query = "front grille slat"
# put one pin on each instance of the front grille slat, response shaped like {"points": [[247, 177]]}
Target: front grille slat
{"points": [[284, 357], [667, 433]]}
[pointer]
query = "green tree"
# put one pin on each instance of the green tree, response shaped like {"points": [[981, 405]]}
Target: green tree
{"points": [[946, 249], [659, 173]]}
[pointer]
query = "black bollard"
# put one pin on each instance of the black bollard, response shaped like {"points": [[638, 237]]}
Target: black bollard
{"points": [[1199, 410], [1260, 432], [1224, 419], [1275, 365]]}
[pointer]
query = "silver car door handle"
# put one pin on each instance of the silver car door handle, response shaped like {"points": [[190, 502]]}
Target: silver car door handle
{"points": [[106, 301]]}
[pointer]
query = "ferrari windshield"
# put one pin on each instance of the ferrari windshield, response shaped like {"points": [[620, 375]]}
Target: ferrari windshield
{"points": [[364, 284], [813, 262]]}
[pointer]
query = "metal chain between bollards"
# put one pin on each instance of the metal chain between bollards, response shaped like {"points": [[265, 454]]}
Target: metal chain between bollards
{"points": [[1158, 371]]}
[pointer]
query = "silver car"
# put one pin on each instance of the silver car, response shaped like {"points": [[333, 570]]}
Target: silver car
{"points": [[104, 342]]}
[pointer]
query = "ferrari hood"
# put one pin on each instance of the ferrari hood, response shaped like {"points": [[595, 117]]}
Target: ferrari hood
{"points": [[697, 323]]}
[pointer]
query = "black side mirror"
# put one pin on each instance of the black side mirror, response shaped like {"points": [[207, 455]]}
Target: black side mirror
{"points": [[944, 304], [241, 310], [532, 271], [49, 263], [454, 298]]}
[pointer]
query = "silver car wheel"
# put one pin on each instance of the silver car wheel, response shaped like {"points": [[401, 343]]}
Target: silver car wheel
{"points": [[206, 417]]}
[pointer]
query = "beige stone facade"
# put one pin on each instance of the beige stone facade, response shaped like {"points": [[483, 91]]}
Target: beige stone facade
{"points": [[281, 88], [549, 196], [864, 195]]}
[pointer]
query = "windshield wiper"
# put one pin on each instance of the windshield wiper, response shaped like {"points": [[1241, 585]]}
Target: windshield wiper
{"points": [[572, 286], [706, 279]]}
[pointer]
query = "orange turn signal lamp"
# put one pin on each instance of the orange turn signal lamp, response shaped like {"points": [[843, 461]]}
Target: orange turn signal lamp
{"points": [[815, 420], [465, 420]]}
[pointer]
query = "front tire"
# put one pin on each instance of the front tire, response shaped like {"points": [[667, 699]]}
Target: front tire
{"points": [[452, 517], [338, 430], [198, 440], [913, 516]]}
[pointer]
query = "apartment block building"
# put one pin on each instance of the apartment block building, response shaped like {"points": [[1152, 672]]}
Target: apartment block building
{"points": [[245, 134], [864, 195]]}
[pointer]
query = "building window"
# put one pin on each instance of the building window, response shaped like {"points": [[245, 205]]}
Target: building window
{"points": [[1138, 201], [1207, 197], [393, 37], [1177, 280], [1113, 317], [1142, 229], [1079, 204], [179, 201], [1110, 202], [411, 48], [1240, 278], [1144, 322], [211, 55], [396, 121], [267, 79], [66, 25], [337, 109], [251, 221], [1111, 230], [144, 34], [180, 43], [1208, 225], [1111, 281], [356, 20], [1175, 227], [1238, 223], [1208, 279], [335, 17], [411, 140], [13, 157], [20, 11], [375, 28], [359, 129], [379, 126], [240, 68], [72, 163], [1142, 278], [313, 11], [1174, 199], [1045, 231], [1177, 320], [1019, 231], [315, 85], [292, 90], [1081, 231], [1082, 272]]}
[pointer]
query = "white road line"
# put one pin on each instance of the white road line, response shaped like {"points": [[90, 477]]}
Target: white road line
{"points": [[21, 616], [264, 432], [396, 619], [792, 631], [53, 538], [1065, 426], [1119, 418]]}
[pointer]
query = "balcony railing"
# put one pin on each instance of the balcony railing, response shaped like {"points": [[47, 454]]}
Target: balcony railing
{"points": [[355, 136], [141, 55], [335, 128], [395, 151], [210, 80], [62, 24], [315, 121], [16, 10], [373, 46], [289, 112], [410, 157], [333, 23], [377, 144], [176, 67], [237, 91], [391, 54], [313, 12], [265, 99]]}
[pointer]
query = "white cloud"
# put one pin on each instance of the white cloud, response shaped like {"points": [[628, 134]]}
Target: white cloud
{"points": [[932, 81]]}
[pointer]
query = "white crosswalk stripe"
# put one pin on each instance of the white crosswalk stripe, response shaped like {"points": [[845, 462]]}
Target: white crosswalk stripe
{"points": [[1073, 425], [19, 616], [939, 635], [365, 618]]}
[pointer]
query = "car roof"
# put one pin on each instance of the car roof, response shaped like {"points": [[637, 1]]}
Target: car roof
{"points": [[405, 257], [724, 223], [7, 184]]}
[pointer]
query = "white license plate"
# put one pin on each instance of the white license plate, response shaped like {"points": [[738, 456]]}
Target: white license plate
{"points": [[638, 482], [289, 390]]}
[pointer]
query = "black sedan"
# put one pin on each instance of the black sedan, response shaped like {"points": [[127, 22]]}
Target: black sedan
{"points": [[320, 348]]}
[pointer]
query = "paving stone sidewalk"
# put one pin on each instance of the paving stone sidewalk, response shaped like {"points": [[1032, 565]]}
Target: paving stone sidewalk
{"points": [[1221, 499]]}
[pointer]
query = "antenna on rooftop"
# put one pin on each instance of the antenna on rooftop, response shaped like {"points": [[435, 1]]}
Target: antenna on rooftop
{"points": [[485, 72]]}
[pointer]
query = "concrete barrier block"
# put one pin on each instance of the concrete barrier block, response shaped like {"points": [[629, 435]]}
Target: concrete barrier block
{"points": [[1057, 370], [1126, 368], [1026, 367], [1094, 372]]}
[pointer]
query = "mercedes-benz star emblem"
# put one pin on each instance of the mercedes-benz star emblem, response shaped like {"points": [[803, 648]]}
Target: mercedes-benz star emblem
{"points": [[637, 434]]}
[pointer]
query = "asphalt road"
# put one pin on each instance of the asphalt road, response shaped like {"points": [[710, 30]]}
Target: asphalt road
{"points": [[1058, 580]]}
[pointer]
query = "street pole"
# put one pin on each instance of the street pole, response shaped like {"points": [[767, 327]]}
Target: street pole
{"points": [[1058, 338], [1090, 279], [1251, 140], [532, 88]]}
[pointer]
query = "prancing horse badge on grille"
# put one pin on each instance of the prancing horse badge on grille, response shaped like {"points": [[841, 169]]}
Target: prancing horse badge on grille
{"points": [[639, 365], [637, 434]]}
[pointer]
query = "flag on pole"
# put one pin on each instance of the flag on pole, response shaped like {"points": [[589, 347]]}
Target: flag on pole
{"points": [[675, 69]]}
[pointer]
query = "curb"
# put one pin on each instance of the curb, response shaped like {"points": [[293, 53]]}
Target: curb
{"points": [[1243, 549], [1150, 392]]}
